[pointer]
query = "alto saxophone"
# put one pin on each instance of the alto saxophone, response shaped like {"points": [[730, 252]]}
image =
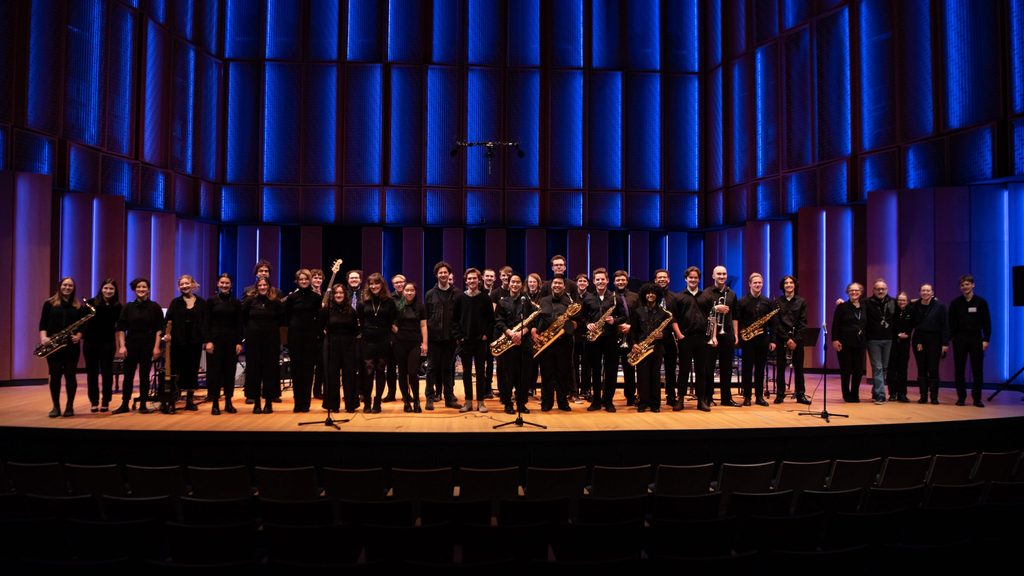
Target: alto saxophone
{"points": [[599, 324], [557, 328], [636, 355], [504, 342], [756, 328], [63, 338]]}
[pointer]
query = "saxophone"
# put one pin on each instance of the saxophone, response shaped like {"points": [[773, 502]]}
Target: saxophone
{"points": [[647, 345], [557, 328], [503, 343], [63, 338], [756, 328], [599, 325]]}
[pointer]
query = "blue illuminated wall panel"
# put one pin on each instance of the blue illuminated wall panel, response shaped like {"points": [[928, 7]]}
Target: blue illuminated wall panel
{"points": [[522, 208], [240, 204], [682, 36], [643, 210], [183, 107], [972, 62], [243, 28], [183, 14], [360, 206], [483, 208], [242, 142], [605, 46], [833, 184], [6, 64], [682, 211], [1018, 146], [522, 126], [682, 123], [319, 205], [714, 209], [524, 33], [879, 172], [209, 201], [799, 190], [971, 156], [486, 32], [444, 207], [4, 139], [283, 38], [713, 29], [565, 150], [483, 122], [1016, 83], [406, 30], [566, 39], [643, 35], [403, 207], [281, 152], [155, 190], [119, 177], [798, 103], [83, 169], [765, 200], [766, 20], [83, 86], [565, 208], [406, 130], [604, 209], [281, 205], [735, 205], [766, 110], [833, 68], [321, 33], [42, 102], [34, 153], [365, 37], [443, 113], [154, 105], [925, 164], [207, 25], [878, 80], [643, 132], [320, 124], [605, 142], [714, 128], [447, 35], [157, 10], [917, 103], [741, 112], [363, 124], [186, 200], [210, 72], [120, 107], [736, 26]]}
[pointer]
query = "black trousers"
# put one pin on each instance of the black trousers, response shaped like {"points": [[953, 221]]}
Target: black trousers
{"points": [[220, 369], [185, 363], [899, 359], [441, 376], [604, 364], [488, 374], [927, 360], [648, 376], [474, 355], [392, 368], [517, 361], [340, 372], [376, 369], [670, 358], [302, 350], [628, 375], [968, 346], [723, 354], [556, 373], [755, 361], [262, 365], [851, 370], [407, 358], [62, 365], [693, 349], [99, 361], [797, 369], [138, 356], [318, 368]]}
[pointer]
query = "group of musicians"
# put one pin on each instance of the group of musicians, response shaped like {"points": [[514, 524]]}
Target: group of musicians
{"points": [[352, 345]]}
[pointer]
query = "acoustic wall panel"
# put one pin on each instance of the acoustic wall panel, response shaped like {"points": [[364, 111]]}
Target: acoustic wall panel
{"points": [[282, 88], [403, 207], [606, 40], [209, 201], [243, 29], [283, 37], [6, 66], [741, 120], [321, 32], [34, 153], [186, 197], [735, 205], [714, 209], [565, 208], [406, 127], [643, 210], [914, 69], [207, 25], [799, 190], [42, 94], [798, 106], [83, 76], [406, 31], [108, 229], [483, 123], [713, 29], [604, 145], [155, 190], [522, 208], [834, 184], [925, 164], [83, 169], [243, 114], [360, 206], [240, 204], [766, 110], [643, 131], [155, 85], [158, 10], [208, 123], [486, 26], [1017, 127], [883, 248], [682, 126], [565, 141], [446, 41], [833, 85], [183, 108], [281, 205], [444, 207], [878, 125], [765, 202], [973, 156], [320, 124], [714, 128], [523, 126], [879, 171], [643, 35], [735, 26], [566, 39], [443, 112], [363, 124], [5, 140], [119, 177], [682, 211], [119, 109], [364, 31], [319, 205], [766, 20], [483, 208], [682, 36], [75, 246], [604, 209], [972, 67]]}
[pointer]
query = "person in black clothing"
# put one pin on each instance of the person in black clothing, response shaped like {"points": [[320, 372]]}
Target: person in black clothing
{"points": [[302, 309], [755, 351], [138, 341], [316, 282], [670, 337], [788, 332], [511, 310], [628, 300], [488, 281], [60, 311], [410, 344], [440, 305], [262, 318], [187, 316], [398, 284], [723, 302], [262, 269], [644, 319], [603, 352], [902, 328], [100, 344], [555, 371], [558, 269], [223, 344], [376, 314], [341, 327], [970, 324], [692, 315], [580, 364], [474, 321], [930, 342], [880, 309], [848, 324]]}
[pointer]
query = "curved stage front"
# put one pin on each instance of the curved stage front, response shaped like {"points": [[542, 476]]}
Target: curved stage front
{"points": [[446, 437]]}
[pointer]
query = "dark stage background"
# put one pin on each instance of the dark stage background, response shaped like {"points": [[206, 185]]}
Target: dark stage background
{"points": [[837, 140]]}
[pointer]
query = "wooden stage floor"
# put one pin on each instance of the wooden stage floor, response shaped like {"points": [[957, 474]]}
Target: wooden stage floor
{"points": [[27, 407]]}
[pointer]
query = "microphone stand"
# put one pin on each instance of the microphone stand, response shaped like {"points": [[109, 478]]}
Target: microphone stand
{"points": [[824, 414], [328, 421], [523, 356]]}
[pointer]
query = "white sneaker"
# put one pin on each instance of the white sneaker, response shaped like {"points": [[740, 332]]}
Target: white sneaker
{"points": [[467, 407], [481, 407]]}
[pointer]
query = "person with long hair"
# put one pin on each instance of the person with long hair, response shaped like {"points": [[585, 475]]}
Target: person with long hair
{"points": [[302, 308], [187, 316], [223, 345], [645, 318], [902, 328], [788, 330], [849, 322], [138, 341], [100, 344], [341, 327], [410, 344], [262, 319], [60, 311], [511, 310], [376, 313]]}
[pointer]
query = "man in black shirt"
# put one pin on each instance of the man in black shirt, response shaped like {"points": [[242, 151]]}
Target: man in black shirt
{"points": [[752, 307], [441, 333], [669, 337], [602, 307], [930, 341], [787, 330], [474, 322], [970, 324], [554, 366], [692, 315], [628, 300], [723, 302]]}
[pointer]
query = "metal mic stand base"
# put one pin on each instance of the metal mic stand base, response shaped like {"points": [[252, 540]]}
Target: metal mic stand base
{"points": [[328, 421], [519, 422]]}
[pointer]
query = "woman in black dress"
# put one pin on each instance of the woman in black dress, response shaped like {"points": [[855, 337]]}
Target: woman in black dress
{"points": [[341, 326], [60, 311], [100, 344], [302, 308], [223, 345], [376, 313], [138, 341], [410, 345], [262, 318], [187, 317], [848, 324], [902, 328]]}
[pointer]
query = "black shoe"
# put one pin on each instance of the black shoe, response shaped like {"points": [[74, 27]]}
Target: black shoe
{"points": [[215, 411], [641, 409], [142, 408], [922, 400], [453, 404], [191, 407], [104, 407], [893, 398], [430, 403], [524, 410], [594, 407], [935, 400], [630, 401], [300, 409], [609, 407], [318, 396], [388, 398], [703, 407], [746, 401], [979, 404], [229, 408], [407, 407], [728, 402], [257, 409], [678, 406], [376, 406], [56, 412], [565, 408], [416, 408], [268, 407], [854, 400], [122, 409], [509, 409], [545, 408], [670, 400], [275, 401], [961, 402], [761, 401], [779, 398], [656, 409], [902, 399], [803, 399], [250, 401]]}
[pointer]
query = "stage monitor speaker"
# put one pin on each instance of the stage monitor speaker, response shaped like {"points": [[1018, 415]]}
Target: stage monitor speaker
{"points": [[1018, 285]]}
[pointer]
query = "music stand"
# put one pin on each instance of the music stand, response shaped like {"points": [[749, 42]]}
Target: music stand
{"points": [[811, 335]]}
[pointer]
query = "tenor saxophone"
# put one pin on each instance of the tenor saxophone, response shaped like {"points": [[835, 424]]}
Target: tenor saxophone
{"points": [[646, 347], [557, 328], [756, 328]]}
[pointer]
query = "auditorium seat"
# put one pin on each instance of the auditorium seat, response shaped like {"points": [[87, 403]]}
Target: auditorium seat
{"points": [[456, 512], [217, 510], [354, 484], [619, 482], [427, 484], [886, 499], [46, 478], [689, 507], [745, 477], [671, 480], [1005, 493], [155, 480], [524, 511], [212, 543], [996, 466], [951, 469], [847, 474], [298, 484], [523, 543], [382, 512], [491, 484], [846, 560], [605, 541], [400, 544], [844, 529], [113, 539], [953, 496], [938, 525], [800, 476], [546, 483], [712, 537], [333, 544], [312, 512], [13, 505], [95, 480], [84, 506], [829, 501], [593, 509], [162, 508], [744, 504], [768, 533], [220, 482], [904, 472]]}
